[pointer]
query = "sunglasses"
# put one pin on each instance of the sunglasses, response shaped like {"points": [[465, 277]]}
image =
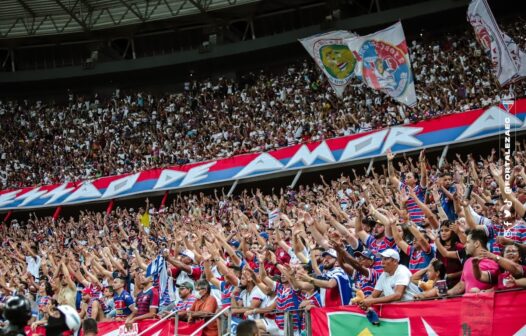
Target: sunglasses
{"points": [[199, 289]]}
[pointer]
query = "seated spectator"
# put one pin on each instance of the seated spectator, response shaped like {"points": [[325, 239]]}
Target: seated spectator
{"points": [[204, 307]]}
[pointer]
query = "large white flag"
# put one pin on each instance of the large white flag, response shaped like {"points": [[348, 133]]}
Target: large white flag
{"points": [[333, 57], [508, 61], [382, 61]]}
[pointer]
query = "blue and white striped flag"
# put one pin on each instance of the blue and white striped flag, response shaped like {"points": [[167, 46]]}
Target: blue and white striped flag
{"points": [[158, 270]]}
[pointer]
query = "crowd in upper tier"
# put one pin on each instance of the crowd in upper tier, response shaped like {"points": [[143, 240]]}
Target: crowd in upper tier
{"points": [[92, 136]]}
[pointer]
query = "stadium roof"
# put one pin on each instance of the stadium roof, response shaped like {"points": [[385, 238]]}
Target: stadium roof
{"points": [[23, 18]]}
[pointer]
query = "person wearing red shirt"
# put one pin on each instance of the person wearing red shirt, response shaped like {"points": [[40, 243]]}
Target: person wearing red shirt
{"points": [[185, 269]]}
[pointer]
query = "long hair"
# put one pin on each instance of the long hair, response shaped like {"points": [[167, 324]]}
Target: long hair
{"points": [[454, 237]]}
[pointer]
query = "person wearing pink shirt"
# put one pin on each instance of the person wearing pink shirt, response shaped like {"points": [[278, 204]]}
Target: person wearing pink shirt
{"points": [[477, 241]]}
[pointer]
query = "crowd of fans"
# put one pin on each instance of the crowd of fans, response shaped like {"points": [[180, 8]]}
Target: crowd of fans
{"points": [[93, 136], [410, 231]]}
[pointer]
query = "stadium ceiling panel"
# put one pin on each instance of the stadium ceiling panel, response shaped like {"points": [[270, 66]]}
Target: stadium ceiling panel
{"points": [[23, 18]]}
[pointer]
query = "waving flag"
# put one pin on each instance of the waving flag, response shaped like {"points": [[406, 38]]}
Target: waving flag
{"points": [[508, 61], [158, 270], [383, 63], [334, 58]]}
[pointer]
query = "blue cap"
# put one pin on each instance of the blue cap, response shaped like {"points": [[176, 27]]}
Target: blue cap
{"points": [[234, 243], [365, 253], [264, 235]]}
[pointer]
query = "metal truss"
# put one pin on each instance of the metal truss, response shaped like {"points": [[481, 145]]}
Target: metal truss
{"points": [[22, 18]]}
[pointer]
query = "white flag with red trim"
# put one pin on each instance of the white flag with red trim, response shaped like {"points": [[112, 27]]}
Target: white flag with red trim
{"points": [[383, 63], [507, 60]]}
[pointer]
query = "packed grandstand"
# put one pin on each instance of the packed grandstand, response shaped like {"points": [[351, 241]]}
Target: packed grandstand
{"points": [[414, 232]]}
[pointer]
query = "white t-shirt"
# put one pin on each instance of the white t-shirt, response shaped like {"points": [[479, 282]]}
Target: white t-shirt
{"points": [[33, 266], [247, 298], [402, 276]]}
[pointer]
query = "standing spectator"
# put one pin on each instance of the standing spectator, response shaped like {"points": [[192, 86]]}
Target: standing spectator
{"points": [[510, 264], [475, 247], [394, 284], [124, 303], [411, 182], [378, 241], [335, 288], [450, 240], [447, 190], [420, 252], [91, 306], [185, 269], [361, 270], [147, 300]]}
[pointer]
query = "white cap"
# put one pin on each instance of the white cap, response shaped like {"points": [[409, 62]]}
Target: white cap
{"points": [[189, 254], [330, 252], [71, 316], [390, 253]]}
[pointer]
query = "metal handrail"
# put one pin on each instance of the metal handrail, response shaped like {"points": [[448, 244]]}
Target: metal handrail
{"points": [[209, 321], [157, 323], [219, 314]]}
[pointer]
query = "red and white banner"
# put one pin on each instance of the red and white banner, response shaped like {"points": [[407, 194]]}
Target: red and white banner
{"points": [[164, 328], [449, 129], [498, 314]]}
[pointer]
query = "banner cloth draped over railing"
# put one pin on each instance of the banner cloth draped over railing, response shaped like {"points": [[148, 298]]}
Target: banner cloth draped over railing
{"points": [[498, 314], [118, 329], [444, 130]]}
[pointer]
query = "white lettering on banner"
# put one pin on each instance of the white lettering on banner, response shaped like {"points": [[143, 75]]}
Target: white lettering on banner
{"points": [[197, 174], [133, 331], [363, 145], [30, 196], [403, 136], [167, 177], [87, 190], [121, 185], [492, 118], [8, 197], [263, 162], [57, 193], [304, 155]]}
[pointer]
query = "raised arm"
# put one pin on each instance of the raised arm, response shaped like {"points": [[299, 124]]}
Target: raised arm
{"points": [[391, 170], [400, 242], [423, 168]]}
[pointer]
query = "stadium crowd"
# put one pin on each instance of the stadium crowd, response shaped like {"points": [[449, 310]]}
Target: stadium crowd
{"points": [[95, 136], [410, 231]]}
